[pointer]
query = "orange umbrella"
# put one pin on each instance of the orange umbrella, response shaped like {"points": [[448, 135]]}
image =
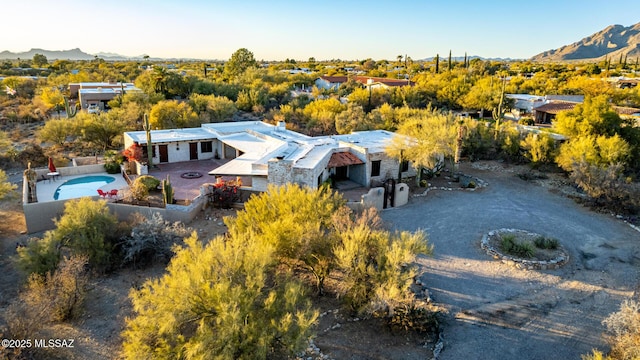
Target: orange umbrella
{"points": [[52, 166]]}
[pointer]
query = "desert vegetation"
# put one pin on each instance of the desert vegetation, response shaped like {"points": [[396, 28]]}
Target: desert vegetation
{"points": [[600, 156]]}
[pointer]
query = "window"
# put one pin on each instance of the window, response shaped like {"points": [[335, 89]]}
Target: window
{"points": [[404, 166], [375, 168], [206, 147]]}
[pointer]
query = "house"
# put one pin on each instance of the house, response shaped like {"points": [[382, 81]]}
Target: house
{"points": [[98, 93], [334, 82], [271, 154], [546, 112], [330, 82]]}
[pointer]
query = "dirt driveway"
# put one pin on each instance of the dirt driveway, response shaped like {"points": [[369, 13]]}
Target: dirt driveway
{"points": [[499, 312]]}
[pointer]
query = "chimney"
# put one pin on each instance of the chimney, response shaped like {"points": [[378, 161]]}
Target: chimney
{"points": [[281, 126]]}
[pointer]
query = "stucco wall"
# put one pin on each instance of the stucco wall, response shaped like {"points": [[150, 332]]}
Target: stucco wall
{"points": [[401, 196], [375, 198], [39, 216]]}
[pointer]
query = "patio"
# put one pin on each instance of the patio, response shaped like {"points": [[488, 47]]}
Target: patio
{"points": [[188, 188], [46, 189]]}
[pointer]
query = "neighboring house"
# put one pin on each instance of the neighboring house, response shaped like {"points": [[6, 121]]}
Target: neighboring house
{"points": [[330, 82], [525, 103], [334, 82], [271, 154], [544, 114], [98, 93], [379, 82]]}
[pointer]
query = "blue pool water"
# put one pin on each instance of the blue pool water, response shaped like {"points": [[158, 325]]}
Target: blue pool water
{"points": [[82, 186]]}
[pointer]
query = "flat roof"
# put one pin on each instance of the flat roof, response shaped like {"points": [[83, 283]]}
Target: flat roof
{"points": [[171, 135], [374, 140]]}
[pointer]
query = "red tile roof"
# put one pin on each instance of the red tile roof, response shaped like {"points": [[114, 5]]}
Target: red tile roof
{"points": [[334, 79], [555, 107], [621, 110], [343, 159]]}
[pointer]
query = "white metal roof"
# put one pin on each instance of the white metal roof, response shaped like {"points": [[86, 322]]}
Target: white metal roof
{"points": [[171, 135]]}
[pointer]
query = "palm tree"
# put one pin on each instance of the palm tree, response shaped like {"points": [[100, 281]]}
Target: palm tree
{"points": [[160, 80]]}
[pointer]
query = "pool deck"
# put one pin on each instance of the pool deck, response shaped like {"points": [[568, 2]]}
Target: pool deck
{"points": [[47, 188]]}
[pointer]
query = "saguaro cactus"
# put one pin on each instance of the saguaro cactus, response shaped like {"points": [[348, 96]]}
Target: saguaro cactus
{"points": [[147, 129], [71, 111], [167, 191]]}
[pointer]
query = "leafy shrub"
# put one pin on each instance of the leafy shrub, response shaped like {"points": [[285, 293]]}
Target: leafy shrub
{"points": [[152, 239], [58, 296], [377, 268], [88, 228], [112, 168], [510, 245], [542, 242], [526, 121], [139, 191], [112, 161], [149, 181], [623, 333], [219, 299], [39, 256], [413, 318], [607, 186]]}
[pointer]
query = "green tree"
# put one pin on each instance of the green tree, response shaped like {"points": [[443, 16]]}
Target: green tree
{"points": [[39, 60], [172, 114], [425, 140], [322, 113], [212, 108], [58, 131], [53, 98], [87, 228], [216, 302], [104, 129], [352, 119], [239, 62], [298, 228]]}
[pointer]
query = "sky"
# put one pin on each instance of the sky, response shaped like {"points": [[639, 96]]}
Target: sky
{"points": [[323, 29]]}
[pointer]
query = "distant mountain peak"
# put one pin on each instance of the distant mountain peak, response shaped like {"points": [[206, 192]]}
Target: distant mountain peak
{"points": [[613, 41]]}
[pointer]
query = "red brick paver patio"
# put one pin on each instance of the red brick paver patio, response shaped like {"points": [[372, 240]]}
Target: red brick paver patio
{"points": [[189, 188]]}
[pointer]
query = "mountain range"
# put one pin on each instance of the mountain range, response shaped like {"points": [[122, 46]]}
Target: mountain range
{"points": [[613, 42], [73, 54]]}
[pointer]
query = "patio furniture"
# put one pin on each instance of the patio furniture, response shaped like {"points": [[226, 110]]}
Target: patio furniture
{"points": [[102, 194], [113, 194]]}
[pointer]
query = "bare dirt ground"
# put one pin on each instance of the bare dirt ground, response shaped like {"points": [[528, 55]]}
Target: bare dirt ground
{"points": [[498, 311], [493, 310]]}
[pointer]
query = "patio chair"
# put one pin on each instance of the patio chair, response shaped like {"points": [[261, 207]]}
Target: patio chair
{"points": [[113, 194], [102, 194]]}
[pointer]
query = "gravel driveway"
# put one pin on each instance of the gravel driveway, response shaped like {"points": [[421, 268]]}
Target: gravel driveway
{"points": [[497, 311]]}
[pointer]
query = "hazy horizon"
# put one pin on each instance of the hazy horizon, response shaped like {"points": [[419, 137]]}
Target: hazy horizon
{"points": [[278, 29]]}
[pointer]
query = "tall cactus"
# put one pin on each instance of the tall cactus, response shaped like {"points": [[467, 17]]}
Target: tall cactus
{"points": [[71, 112], [167, 191], [437, 63], [147, 129]]}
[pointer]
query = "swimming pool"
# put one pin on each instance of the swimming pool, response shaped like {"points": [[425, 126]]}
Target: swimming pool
{"points": [[82, 186]]}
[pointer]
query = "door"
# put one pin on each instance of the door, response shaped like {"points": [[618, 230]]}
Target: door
{"points": [[342, 173], [164, 153], [193, 151]]}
